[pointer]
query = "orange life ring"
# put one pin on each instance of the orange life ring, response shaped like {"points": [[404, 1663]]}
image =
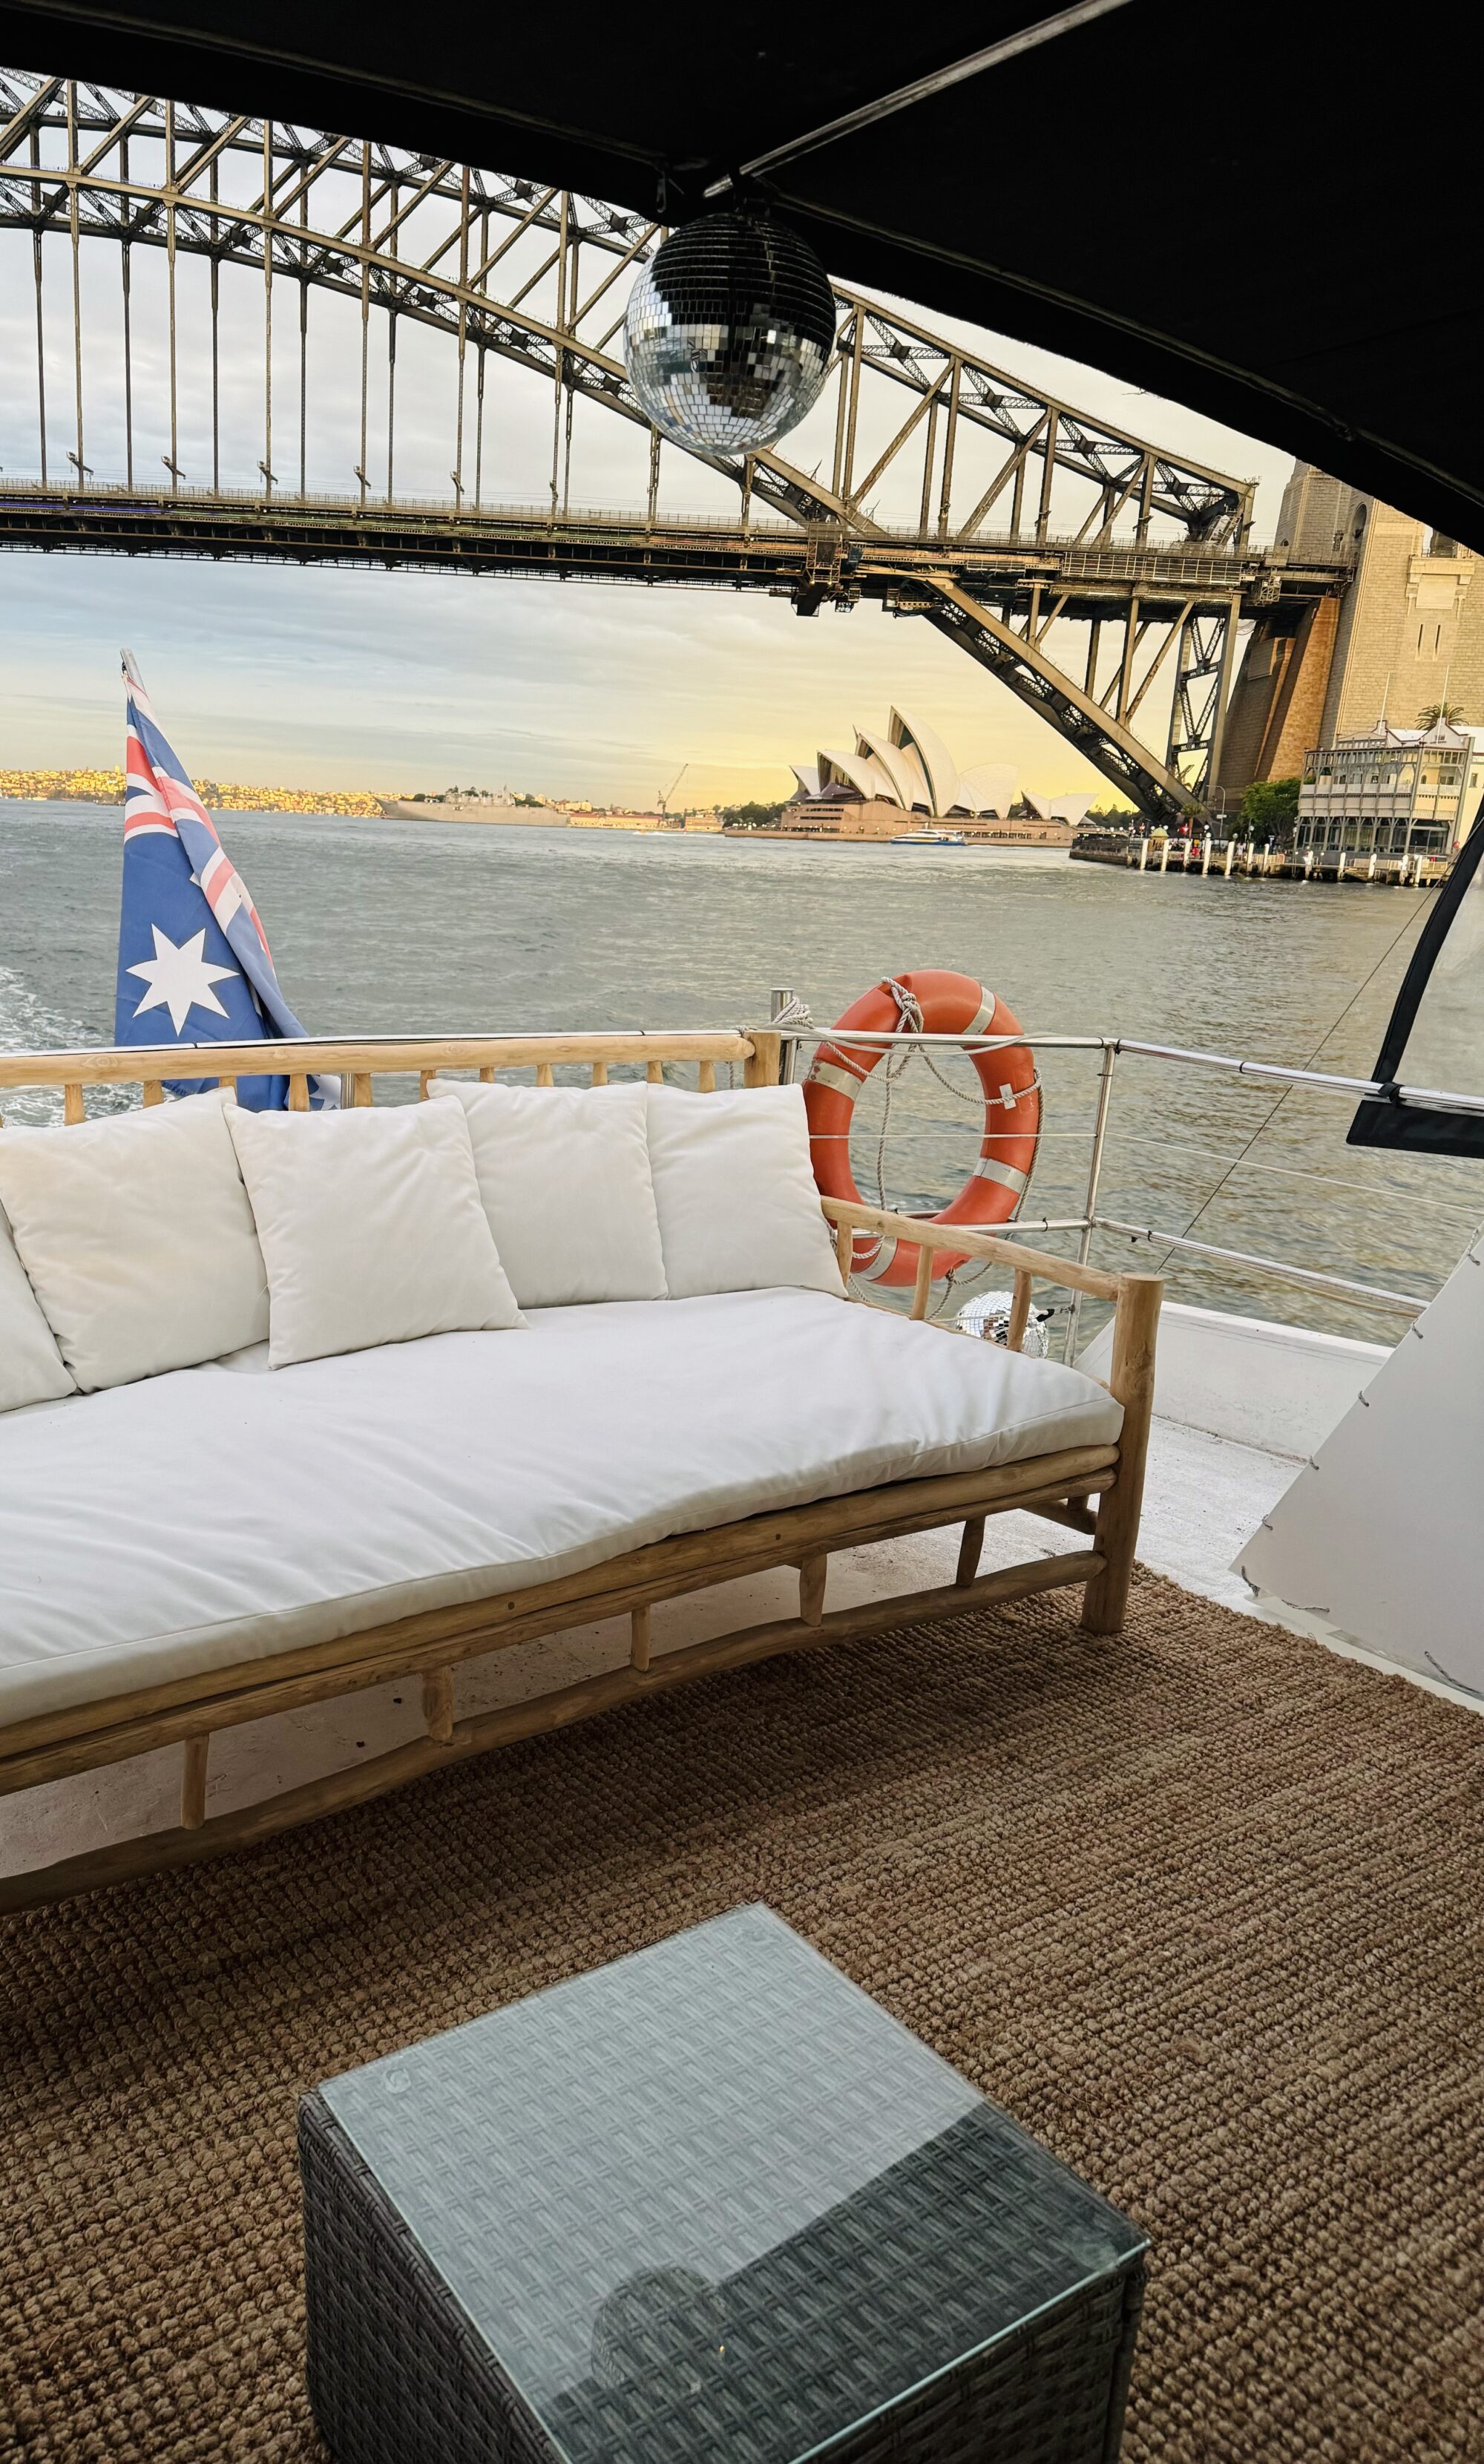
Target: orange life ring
{"points": [[936, 1002]]}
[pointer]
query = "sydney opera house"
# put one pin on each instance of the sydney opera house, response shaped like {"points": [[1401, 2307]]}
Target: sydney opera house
{"points": [[906, 775]]}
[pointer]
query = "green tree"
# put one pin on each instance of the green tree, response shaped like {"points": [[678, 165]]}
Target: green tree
{"points": [[751, 816], [1441, 714], [1269, 808]]}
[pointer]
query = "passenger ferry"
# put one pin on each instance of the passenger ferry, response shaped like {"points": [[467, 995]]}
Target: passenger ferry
{"points": [[928, 837]]}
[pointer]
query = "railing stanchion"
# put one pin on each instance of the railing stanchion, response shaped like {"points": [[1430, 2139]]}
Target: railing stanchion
{"points": [[781, 1002], [1099, 1129]]}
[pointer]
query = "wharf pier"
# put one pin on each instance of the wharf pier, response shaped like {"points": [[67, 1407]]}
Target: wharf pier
{"points": [[1231, 859]]}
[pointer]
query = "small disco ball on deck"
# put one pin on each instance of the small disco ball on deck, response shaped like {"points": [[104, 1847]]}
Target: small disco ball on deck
{"points": [[988, 1316], [728, 331]]}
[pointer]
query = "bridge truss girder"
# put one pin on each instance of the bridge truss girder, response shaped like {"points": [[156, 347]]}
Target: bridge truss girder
{"points": [[1100, 727], [440, 244]]}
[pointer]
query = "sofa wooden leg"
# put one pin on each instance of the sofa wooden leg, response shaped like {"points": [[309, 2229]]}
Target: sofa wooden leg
{"points": [[193, 1782], [969, 1549], [438, 1704], [811, 1575], [1105, 1599], [638, 1636], [1132, 1381]]}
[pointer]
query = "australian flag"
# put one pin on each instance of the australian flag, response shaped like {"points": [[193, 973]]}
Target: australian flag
{"points": [[194, 965]]}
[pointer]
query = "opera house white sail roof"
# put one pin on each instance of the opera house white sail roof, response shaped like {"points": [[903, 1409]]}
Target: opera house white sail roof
{"points": [[911, 767]]}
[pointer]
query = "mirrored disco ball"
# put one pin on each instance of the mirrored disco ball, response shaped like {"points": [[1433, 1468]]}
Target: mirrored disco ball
{"points": [[729, 332]]}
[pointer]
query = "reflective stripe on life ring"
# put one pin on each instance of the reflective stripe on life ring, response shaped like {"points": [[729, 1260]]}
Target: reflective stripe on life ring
{"points": [[947, 1004]]}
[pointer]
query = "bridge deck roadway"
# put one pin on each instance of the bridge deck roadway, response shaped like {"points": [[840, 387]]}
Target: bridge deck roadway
{"points": [[810, 564]]}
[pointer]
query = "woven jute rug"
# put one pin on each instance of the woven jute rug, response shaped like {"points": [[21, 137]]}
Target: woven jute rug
{"points": [[1200, 1905]]}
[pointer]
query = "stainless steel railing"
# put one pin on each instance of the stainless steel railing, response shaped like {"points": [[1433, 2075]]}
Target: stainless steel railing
{"points": [[799, 1032]]}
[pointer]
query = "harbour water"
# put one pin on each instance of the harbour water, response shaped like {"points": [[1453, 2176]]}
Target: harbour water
{"points": [[396, 926]]}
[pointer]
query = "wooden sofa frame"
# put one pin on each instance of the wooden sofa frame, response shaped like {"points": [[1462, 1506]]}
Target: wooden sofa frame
{"points": [[187, 1711]]}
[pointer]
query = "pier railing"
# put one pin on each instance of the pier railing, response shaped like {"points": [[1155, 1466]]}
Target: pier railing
{"points": [[1231, 858]]}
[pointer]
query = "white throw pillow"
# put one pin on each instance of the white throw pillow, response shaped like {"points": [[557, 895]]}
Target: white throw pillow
{"points": [[738, 1207], [371, 1227], [32, 1369], [564, 1177], [137, 1235]]}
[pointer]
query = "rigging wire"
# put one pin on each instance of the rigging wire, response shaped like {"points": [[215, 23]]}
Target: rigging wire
{"points": [[1297, 1172], [868, 114], [1268, 1119]]}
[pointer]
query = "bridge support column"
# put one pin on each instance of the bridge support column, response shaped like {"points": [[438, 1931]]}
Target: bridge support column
{"points": [[1218, 725]]}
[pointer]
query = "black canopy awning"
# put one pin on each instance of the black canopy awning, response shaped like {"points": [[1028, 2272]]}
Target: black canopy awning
{"points": [[1265, 211]]}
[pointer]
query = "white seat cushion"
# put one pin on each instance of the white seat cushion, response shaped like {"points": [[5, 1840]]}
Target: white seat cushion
{"points": [[136, 1233], [564, 1177], [349, 1491], [735, 1191], [371, 1227], [32, 1369]]}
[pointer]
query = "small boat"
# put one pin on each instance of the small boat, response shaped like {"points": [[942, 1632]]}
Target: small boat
{"points": [[927, 837]]}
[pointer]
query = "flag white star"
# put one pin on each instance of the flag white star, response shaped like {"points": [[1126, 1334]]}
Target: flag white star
{"points": [[180, 979]]}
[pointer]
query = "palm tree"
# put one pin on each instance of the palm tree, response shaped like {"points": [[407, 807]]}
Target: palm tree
{"points": [[1440, 714]]}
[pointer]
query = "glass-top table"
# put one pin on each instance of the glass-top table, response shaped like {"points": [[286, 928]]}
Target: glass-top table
{"points": [[710, 2202]]}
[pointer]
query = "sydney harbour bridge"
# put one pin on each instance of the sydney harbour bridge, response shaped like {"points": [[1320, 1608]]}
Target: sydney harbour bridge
{"points": [[233, 339]]}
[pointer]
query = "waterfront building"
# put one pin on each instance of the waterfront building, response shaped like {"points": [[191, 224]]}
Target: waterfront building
{"points": [[864, 793], [219, 796], [861, 817], [1406, 634], [1392, 791]]}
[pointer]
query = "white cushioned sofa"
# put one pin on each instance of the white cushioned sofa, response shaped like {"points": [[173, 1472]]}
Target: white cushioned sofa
{"points": [[293, 1402]]}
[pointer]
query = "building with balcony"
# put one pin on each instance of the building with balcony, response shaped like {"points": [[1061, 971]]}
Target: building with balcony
{"points": [[1393, 791]]}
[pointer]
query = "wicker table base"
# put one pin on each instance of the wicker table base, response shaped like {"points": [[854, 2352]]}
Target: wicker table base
{"points": [[807, 2237]]}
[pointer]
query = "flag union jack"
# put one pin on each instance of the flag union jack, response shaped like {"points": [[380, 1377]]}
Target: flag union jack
{"points": [[194, 965]]}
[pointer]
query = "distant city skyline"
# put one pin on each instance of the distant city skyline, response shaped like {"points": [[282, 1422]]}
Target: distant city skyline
{"points": [[320, 678]]}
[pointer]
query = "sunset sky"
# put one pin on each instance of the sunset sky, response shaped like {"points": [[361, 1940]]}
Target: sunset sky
{"points": [[405, 680]]}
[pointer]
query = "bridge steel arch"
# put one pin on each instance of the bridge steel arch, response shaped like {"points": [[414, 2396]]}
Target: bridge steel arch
{"points": [[1159, 572]]}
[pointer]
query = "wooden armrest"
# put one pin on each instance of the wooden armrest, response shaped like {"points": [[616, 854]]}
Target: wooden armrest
{"points": [[1136, 1308], [1040, 1263]]}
